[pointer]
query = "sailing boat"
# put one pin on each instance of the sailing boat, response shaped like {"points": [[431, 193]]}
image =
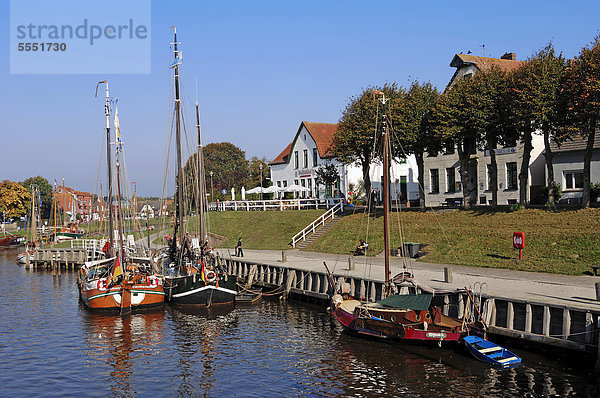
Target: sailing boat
{"points": [[32, 243], [115, 283], [192, 274], [396, 316]]}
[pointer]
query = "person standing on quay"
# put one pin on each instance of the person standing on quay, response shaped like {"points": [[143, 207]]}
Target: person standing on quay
{"points": [[238, 248]]}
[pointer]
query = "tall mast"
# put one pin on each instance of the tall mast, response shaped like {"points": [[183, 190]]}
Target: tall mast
{"points": [[201, 195], [109, 167], [179, 211], [386, 196]]}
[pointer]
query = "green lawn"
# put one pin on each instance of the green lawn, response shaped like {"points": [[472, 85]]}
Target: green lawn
{"points": [[269, 230], [565, 242]]}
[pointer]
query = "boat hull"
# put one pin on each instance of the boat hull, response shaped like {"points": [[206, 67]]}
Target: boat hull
{"points": [[191, 290], [143, 296], [490, 352], [384, 329]]}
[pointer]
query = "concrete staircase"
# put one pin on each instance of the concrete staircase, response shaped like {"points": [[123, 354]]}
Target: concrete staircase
{"points": [[320, 231]]}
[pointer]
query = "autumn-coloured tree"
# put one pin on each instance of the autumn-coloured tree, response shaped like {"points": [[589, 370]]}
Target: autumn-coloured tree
{"points": [[14, 199], [535, 88], [255, 166], [355, 139], [580, 95], [413, 129]]}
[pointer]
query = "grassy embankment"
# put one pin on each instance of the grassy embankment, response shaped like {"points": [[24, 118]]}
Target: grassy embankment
{"points": [[564, 242], [268, 230]]}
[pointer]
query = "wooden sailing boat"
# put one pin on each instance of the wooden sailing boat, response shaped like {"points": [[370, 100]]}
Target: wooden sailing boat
{"points": [[396, 316], [115, 284], [192, 275]]}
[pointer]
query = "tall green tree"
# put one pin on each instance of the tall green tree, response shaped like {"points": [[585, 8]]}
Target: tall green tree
{"points": [[14, 199], [258, 168], [535, 93], [581, 98], [355, 139], [45, 192], [453, 119], [413, 127], [490, 108], [228, 164]]}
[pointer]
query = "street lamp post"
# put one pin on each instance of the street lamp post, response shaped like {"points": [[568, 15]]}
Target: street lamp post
{"points": [[261, 181], [212, 197]]}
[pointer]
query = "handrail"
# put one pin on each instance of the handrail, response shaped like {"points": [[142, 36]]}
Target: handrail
{"points": [[319, 220], [276, 204]]}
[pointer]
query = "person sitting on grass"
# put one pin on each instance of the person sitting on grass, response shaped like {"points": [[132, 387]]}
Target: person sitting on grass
{"points": [[361, 249]]}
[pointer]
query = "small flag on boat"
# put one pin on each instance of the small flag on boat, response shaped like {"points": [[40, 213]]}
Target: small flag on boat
{"points": [[117, 270], [377, 92], [118, 130]]}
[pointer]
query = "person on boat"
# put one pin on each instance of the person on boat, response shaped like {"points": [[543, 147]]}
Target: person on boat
{"points": [[361, 249], [238, 248]]}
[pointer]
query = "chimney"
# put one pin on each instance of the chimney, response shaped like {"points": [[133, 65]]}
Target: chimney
{"points": [[509, 56]]}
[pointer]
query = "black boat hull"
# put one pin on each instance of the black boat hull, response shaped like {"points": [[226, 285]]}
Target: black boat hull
{"points": [[191, 290]]}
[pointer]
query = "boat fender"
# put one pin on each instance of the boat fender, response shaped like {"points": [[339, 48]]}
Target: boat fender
{"points": [[152, 281], [211, 276], [101, 284], [337, 300]]}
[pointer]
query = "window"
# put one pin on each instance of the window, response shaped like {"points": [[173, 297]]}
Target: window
{"points": [[489, 177], [284, 183], [303, 183], [511, 175], [315, 157], [295, 159], [305, 158], [435, 181], [278, 184], [310, 187], [450, 180], [574, 180], [295, 182]]}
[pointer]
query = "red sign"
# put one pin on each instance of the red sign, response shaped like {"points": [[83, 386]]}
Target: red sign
{"points": [[519, 240]]}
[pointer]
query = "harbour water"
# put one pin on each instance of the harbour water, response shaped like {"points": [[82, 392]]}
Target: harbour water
{"points": [[51, 346]]}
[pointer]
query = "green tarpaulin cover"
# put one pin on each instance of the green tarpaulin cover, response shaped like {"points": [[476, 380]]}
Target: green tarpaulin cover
{"points": [[419, 302]]}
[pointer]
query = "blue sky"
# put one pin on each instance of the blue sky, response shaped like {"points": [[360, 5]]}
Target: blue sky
{"points": [[262, 67]]}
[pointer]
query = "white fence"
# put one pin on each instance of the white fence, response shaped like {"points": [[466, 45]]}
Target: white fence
{"points": [[263, 205], [310, 228]]}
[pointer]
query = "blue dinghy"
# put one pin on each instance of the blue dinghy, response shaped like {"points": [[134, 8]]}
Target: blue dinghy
{"points": [[489, 352]]}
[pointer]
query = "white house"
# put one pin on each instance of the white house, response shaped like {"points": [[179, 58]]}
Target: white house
{"points": [[310, 148], [147, 212], [442, 182]]}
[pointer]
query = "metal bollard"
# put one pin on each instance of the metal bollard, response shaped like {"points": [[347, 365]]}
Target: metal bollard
{"points": [[351, 266], [448, 275], [283, 256], [597, 284]]}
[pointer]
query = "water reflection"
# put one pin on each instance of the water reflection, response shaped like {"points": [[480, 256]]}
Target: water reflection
{"points": [[275, 348], [123, 343]]}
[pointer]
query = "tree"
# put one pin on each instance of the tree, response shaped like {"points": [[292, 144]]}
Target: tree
{"points": [[535, 98], [414, 128], [228, 164], [581, 98], [255, 165], [327, 175], [355, 139], [46, 193], [14, 199], [454, 120], [488, 102]]}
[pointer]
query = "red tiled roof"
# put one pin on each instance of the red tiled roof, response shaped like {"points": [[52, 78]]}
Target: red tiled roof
{"points": [[322, 134], [483, 63]]}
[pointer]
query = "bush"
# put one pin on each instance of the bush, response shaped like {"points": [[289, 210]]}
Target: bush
{"points": [[544, 194], [516, 207]]}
